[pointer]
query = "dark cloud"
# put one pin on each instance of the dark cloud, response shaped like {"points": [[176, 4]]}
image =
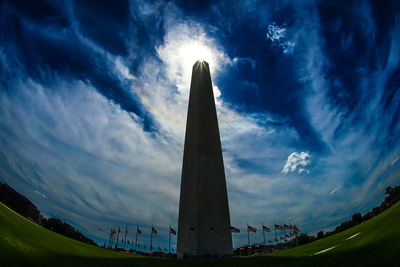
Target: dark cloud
{"points": [[104, 22]]}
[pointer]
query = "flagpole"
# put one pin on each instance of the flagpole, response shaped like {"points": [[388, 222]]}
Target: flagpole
{"points": [[109, 243], [169, 240], [263, 233], [248, 235], [116, 245], [137, 228], [284, 232], [126, 228], [297, 238], [275, 232], [112, 238], [151, 239]]}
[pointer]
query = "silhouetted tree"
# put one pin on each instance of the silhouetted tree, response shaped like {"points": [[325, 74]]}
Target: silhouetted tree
{"points": [[320, 234], [367, 216], [356, 218], [304, 239], [65, 229]]}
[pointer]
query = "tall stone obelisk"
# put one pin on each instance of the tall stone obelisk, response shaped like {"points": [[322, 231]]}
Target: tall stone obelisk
{"points": [[204, 222]]}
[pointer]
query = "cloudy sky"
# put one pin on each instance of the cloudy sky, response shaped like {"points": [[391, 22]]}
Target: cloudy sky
{"points": [[94, 95]]}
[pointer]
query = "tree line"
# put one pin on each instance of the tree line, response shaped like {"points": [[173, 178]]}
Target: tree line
{"points": [[23, 206], [65, 229], [392, 195]]}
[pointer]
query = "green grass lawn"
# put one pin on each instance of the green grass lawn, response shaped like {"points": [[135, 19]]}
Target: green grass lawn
{"points": [[23, 243]]}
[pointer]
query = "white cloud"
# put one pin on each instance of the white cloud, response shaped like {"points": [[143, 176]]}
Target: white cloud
{"points": [[334, 190], [275, 33], [288, 47], [278, 34], [297, 161]]}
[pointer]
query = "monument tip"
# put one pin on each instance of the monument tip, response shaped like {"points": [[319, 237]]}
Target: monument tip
{"points": [[200, 63]]}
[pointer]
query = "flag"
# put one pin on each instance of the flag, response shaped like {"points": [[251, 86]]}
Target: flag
{"points": [[251, 229], [165, 249], [126, 229], [286, 226], [266, 229], [269, 241], [287, 236], [138, 230], [276, 240], [128, 242], [172, 231], [281, 238], [153, 230], [159, 248], [152, 247], [212, 231], [296, 229], [119, 230], [278, 227], [291, 226], [257, 246], [234, 230]]}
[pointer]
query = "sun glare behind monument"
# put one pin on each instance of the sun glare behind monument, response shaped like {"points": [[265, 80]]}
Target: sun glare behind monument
{"points": [[196, 51]]}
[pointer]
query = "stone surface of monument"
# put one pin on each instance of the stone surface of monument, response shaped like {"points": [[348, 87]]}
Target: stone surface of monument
{"points": [[204, 221]]}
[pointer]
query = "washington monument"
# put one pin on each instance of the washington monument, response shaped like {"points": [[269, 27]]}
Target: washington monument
{"points": [[204, 222]]}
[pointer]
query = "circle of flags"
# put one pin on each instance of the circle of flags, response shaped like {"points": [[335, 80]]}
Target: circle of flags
{"points": [[134, 246]]}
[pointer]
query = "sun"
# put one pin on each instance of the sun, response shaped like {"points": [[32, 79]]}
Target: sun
{"points": [[180, 51], [193, 51]]}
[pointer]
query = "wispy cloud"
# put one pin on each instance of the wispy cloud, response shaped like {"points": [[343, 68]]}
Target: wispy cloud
{"points": [[334, 190], [395, 161], [41, 194]]}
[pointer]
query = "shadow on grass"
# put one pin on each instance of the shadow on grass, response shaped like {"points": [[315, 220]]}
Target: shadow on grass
{"points": [[375, 254]]}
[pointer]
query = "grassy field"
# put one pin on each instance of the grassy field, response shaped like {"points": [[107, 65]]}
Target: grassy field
{"points": [[374, 243]]}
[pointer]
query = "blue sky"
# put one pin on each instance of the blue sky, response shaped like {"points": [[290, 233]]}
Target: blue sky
{"points": [[94, 98]]}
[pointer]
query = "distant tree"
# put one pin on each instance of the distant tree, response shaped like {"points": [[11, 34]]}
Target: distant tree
{"points": [[65, 229], [320, 234], [343, 226], [304, 239], [375, 211], [356, 218], [328, 234], [392, 194], [367, 216]]}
